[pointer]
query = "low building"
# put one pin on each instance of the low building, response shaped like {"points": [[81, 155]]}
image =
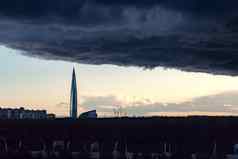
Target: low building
{"points": [[21, 113], [51, 116], [89, 114]]}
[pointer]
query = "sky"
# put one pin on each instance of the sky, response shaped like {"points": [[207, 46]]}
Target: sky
{"points": [[148, 56], [194, 36], [45, 84]]}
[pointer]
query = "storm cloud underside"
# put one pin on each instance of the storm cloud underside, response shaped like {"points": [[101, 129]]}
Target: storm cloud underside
{"points": [[197, 36]]}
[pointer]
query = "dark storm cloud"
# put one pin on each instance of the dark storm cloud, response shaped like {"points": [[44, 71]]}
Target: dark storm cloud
{"points": [[71, 8], [197, 35]]}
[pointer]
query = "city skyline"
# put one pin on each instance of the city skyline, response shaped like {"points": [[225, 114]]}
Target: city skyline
{"points": [[100, 88]]}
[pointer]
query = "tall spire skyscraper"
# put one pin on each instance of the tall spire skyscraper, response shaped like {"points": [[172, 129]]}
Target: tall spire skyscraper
{"points": [[73, 97]]}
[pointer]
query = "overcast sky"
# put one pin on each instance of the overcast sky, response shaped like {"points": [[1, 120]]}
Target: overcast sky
{"points": [[196, 36], [42, 84], [189, 50]]}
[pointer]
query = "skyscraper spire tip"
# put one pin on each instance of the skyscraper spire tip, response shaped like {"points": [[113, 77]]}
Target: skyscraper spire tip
{"points": [[73, 70]]}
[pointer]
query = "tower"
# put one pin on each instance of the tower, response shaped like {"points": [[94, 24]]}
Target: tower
{"points": [[73, 97]]}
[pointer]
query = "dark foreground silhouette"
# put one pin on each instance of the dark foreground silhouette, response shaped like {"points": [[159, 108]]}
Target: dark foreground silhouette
{"points": [[160, 137]]}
